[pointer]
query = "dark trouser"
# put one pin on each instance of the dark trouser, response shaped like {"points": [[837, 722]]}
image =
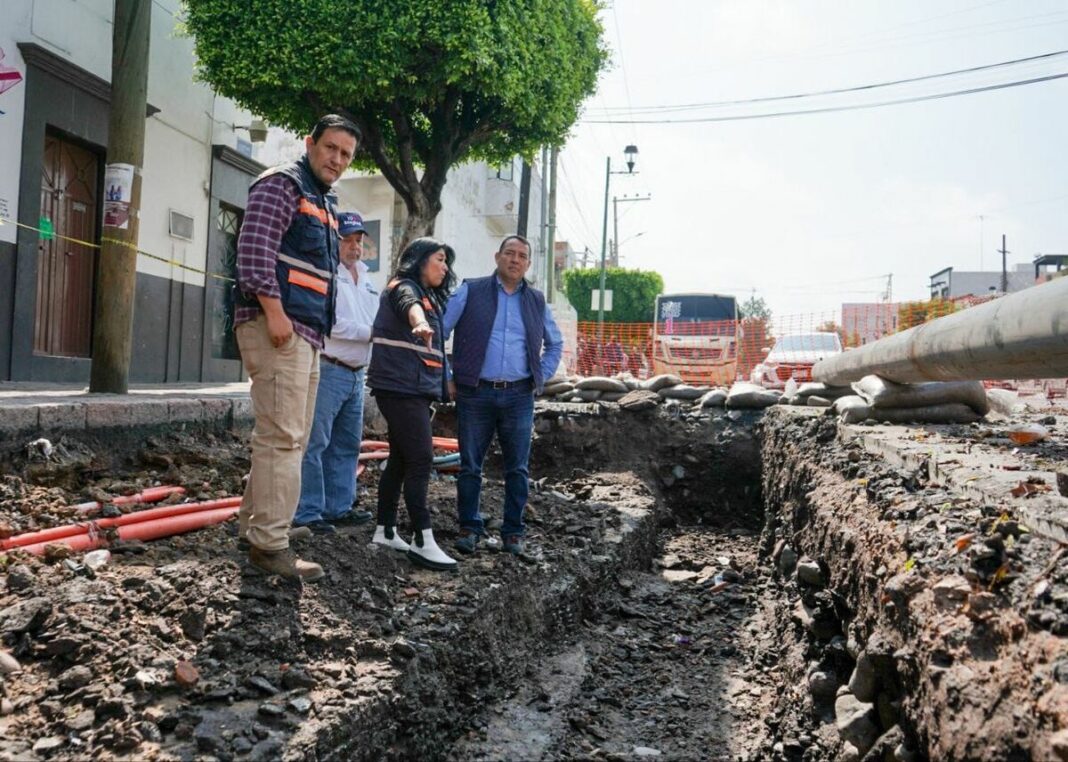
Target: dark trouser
{"points": [[482, 412], [411, 455]]}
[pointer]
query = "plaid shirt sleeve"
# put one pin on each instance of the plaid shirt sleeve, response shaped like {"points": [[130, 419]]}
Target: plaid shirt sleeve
{"points": [[272, 203]]}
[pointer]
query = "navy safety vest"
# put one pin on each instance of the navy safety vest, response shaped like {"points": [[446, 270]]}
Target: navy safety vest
{"points": [[472, 332], [308, 258], [401, 362]]}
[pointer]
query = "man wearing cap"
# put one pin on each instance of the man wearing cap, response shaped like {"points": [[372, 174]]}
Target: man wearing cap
{"points": [[328, 472]]}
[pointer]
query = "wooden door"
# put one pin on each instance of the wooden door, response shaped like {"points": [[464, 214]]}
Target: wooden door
{"points": [[65, 270]]}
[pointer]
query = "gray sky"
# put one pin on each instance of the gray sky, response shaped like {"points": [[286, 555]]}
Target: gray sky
{"points": [[811, 210]]}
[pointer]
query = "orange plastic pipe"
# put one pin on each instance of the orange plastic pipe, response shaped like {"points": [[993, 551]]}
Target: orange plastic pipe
{"points": [[374, 444], [452, 445], [142, 530], [379, 455], [149, 495], [70, 530]]}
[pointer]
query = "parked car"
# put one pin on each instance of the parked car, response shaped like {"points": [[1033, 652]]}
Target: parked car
{"points": [[793, 357]]}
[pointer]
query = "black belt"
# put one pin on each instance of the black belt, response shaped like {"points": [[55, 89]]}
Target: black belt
{"points": [[506, 384], [341, 363]]}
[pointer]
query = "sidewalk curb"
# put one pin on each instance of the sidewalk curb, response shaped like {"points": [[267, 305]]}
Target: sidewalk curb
{"points": [[100, 413]]}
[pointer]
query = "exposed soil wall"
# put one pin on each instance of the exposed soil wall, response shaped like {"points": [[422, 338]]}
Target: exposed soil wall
{"points": [[923, 604]]}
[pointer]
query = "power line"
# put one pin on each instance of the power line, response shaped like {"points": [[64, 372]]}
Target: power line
{"points": [[831, 109], [933, 36], [574, 201], [839, 91], [622, 63]]}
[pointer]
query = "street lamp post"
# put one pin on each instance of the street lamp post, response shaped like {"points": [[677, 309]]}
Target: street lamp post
{"points": [[630, 152]]}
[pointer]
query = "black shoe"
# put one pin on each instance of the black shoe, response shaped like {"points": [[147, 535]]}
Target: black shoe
{"points": [[353, 518], [319, 527]]}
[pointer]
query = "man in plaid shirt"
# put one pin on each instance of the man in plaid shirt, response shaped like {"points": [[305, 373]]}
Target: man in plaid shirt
{"points": [[286, 263]]}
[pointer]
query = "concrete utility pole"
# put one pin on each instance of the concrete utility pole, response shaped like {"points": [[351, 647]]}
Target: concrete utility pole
{"points": [[544, 227], [524, 199], [1004, 267], [616, 201], [550, 265], [117, 269]]}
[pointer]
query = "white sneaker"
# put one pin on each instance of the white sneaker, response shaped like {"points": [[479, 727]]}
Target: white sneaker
{"points": [[388, 537], [425, 552]]}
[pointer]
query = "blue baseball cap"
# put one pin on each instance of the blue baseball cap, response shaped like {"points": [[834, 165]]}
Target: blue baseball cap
{"points": [[349, 223]]}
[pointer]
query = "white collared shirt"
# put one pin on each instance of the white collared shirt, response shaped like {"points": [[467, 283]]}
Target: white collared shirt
{"points": [[357, 304]]}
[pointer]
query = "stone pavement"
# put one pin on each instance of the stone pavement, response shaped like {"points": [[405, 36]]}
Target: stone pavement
{"points": [[32, 408], [990, 469]]}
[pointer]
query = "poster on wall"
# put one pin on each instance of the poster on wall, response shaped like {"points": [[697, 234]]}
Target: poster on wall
{"points": [[372, 240], [12, 99], [118, 191]]}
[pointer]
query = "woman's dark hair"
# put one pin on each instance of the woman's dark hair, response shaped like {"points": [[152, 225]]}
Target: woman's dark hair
{"points": [[415, 255]]}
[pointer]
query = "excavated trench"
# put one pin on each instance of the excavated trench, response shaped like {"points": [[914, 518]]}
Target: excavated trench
{"points": [[730, 586]]}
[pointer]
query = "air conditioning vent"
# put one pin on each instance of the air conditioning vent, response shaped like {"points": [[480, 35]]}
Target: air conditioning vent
{"points": [[181, 226]]}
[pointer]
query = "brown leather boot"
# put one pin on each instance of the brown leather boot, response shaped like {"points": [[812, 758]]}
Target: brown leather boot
{"points": [[285, 564]]}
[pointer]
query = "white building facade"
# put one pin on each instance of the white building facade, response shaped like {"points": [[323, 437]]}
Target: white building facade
{"points": [[54, 98]]}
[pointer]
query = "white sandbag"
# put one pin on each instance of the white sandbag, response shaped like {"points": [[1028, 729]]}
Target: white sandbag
{"points": [[682, 392], [588, 395], [815, 401], [612, 396], [883, 394], [852, 409], [1005, 402], [602, 384], [656, 383], [558, 378], [713, 398], [559, 387], [815, 388], [750, 396], [632, 383], [951, 412]]}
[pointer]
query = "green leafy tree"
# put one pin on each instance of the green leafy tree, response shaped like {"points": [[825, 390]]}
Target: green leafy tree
{"points": [[634, 293], [430, 84], [754, 308]]}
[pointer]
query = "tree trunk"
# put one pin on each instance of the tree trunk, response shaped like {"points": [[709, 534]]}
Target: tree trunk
{"points": [[416, 225], [422, 211]]}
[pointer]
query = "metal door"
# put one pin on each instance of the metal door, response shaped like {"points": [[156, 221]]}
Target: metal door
{"points": [[65, 270]]}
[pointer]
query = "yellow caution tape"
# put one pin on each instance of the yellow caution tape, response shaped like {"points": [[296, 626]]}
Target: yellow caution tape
{"points": [[123, 244]]}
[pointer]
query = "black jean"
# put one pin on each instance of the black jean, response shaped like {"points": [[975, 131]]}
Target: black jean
{"points": [[411, 456]]}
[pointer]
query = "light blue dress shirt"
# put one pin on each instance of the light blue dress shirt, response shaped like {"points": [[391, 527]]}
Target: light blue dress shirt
{"points": [[506, 353]]}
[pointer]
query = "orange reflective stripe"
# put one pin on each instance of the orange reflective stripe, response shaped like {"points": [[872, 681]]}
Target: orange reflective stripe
{"points": [[307, 207], [431, 363], [307, 280]]}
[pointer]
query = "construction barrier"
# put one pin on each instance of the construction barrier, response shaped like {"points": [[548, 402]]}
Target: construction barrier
{"points": [[766, 350]]}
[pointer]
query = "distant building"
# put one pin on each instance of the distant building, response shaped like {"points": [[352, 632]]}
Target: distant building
{"points": [[953, 284], [1043, 263], [863, 323]]}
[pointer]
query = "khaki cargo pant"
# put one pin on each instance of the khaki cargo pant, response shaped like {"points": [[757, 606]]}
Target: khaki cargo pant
{"points": [[284, 383]]}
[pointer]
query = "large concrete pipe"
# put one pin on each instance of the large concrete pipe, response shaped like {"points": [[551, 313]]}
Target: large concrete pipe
{"points": [[1022, 335]]}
